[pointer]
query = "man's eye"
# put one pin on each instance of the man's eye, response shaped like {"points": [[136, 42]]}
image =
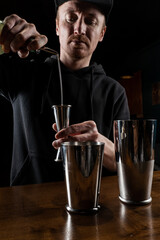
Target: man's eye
{"points": [[71, 18], [90, 21]]}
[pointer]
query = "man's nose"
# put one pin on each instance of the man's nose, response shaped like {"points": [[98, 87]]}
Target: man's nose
{"points": [[80, 27]]}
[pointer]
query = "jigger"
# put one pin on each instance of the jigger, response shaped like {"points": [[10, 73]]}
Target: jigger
{"points": [[61, 114]]}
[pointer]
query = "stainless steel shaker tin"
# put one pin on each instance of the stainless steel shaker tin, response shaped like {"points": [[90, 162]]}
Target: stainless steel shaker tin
{"points": [[83, 166], [135, 150]]}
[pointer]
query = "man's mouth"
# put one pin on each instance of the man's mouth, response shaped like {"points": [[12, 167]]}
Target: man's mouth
{"points": [[78, 40]]}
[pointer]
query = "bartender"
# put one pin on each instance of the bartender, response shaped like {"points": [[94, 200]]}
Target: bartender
{"points": [[30, 82]]}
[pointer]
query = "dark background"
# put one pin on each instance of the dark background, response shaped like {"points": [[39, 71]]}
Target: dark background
{"points": [[133, 25], [131, 45]]}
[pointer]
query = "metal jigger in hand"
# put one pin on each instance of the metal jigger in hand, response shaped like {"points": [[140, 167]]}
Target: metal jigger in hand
{"points": [[61, 114]]}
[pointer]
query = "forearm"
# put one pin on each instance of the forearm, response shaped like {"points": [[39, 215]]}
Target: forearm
{"points": [[109, 161]]}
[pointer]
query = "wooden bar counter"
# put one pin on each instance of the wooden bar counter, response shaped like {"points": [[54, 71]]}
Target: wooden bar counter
{"points": [[36, 212]]}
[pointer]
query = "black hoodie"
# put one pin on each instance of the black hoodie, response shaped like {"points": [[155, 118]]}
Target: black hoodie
{"points": [[32, 87]]}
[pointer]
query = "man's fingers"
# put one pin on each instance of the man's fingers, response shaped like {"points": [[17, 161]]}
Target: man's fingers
{"points": [[57, 143], [79, 138], [84, 137], [75, 129], [38, 42], [20, 36], [23, 53], [82, 132], [54, 126], [9, 28], [29, 39]]}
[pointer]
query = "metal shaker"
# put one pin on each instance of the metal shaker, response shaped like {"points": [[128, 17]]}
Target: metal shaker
{"points": [[135, 151], [83, 166]]}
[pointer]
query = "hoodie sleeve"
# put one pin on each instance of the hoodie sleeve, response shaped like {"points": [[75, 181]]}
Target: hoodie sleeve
{"points": [[17, 73], [11, 75], [4, 75]]}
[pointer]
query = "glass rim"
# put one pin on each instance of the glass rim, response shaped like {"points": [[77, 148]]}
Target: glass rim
{"points": [[61, 105], [136, 120], [80, 144]]}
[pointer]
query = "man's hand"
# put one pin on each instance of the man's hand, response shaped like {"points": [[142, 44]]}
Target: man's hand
{"points": [[20, 36], [82, 132]]}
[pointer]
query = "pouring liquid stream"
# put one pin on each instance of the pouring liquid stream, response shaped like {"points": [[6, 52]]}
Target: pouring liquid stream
{"points": [[49, 50], [52, 51], [60, 78]]}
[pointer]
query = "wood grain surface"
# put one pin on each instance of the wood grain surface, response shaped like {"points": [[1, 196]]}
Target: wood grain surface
{"points": [[36, 212]]}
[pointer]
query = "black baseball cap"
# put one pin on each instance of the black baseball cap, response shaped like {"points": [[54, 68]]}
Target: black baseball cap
{"points": [[105, 6]]}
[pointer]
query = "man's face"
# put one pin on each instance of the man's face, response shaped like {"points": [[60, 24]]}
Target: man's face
{"points": [[80, 26]]}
